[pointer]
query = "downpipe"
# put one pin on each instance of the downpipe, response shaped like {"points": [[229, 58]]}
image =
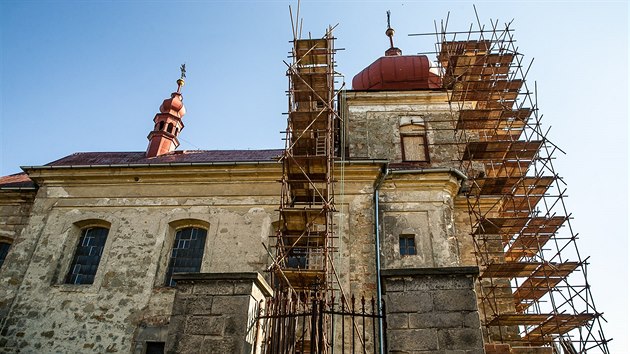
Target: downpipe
{"points": [[377, 248]]}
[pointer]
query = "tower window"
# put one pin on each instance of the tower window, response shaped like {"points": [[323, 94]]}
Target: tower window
{"points": [[169, 128], [161, 125], [155, 348], [414, 143], [4, 250], [187, 252], [87, 256], [407, 245]]}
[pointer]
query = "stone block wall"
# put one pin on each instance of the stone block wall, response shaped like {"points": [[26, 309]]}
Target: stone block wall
{"points": [[501, 348], [432, 310], [215, 313]]}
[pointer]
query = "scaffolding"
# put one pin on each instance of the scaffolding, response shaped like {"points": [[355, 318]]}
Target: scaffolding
{"points": [[304, 232], [532, 289]]}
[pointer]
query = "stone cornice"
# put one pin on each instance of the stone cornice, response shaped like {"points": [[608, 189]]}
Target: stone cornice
{"points": [[427, 180], [236, 276], [189, 173], [393, 97]]}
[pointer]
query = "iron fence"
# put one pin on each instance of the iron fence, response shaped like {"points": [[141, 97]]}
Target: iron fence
{"points": [[286, 324]]}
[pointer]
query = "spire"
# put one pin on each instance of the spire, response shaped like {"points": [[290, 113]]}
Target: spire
{"points": [[168, 123], [392, 51]]}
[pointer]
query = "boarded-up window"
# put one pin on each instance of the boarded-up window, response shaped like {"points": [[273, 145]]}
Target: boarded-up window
{"points": [[414, 143]]}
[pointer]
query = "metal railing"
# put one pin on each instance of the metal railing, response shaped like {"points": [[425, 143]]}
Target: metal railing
{"points": [[288, 324]]}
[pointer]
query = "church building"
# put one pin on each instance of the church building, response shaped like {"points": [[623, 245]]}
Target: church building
{"points": [[412, 213]]}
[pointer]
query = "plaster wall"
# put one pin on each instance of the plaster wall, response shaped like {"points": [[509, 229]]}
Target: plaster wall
{"points": [[421, 205], [128, 292], [374, 119], [15, 210], [128, 301]]}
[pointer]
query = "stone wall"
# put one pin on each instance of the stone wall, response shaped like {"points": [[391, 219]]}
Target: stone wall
{"points": [[373, 120], [215, 313], [15, 211], [432, 310], [129, 304], [419, 204], [128, 298]]}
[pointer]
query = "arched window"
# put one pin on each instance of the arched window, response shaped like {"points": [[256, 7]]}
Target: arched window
{"points": [[187, 252], [414, 142], [4, 250], [169, 128], [161, 125], [87, 255]]}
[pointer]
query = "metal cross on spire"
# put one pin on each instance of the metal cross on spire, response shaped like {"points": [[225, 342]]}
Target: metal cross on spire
{"points": [[182, 68]]}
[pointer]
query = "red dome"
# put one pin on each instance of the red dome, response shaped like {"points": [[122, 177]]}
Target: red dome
{"points": [[397, 72], [174, 105]]}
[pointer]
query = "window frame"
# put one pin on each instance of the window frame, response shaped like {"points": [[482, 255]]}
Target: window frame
{"points": [[407, 238], [99, 238], [67, 253], [421, 132], [164, 279]]}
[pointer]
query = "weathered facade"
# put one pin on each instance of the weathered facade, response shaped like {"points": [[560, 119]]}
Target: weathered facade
{"points": [[170, 250], [129, 302]]}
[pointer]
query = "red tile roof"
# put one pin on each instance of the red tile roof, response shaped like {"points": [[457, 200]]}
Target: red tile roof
{"points": [[18, 180]]}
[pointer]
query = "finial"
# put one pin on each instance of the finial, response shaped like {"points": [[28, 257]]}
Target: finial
{"points": [[180, 81], [390, 31], [392, 51]]}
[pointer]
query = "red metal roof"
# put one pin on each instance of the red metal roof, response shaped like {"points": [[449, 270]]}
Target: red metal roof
{"points": [[398, 72], [185, 156], [21, 180]]}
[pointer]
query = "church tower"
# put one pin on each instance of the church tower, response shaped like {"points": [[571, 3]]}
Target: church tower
{"points": [[168, 123]]}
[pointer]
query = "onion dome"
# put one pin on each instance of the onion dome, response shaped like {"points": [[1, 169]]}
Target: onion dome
{"points": [[395, 71], [175, 104]]}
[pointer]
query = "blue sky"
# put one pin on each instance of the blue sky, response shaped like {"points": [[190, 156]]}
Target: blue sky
{"points": [[90, 76]]}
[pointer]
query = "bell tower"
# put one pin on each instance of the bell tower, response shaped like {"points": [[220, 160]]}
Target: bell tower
{"points": [[168, 123]]}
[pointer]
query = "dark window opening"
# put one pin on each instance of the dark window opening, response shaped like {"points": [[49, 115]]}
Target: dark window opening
{"points": [[407, 245], [161, 125], [170, 128], [297, 258], [87, 256], [4, 250], [155, 348], [187, 252]]}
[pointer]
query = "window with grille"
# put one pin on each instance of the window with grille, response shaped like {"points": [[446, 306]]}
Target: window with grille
{"points": [[4, 250], [407, 245], [187, 252], [87, 256]]}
